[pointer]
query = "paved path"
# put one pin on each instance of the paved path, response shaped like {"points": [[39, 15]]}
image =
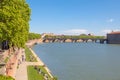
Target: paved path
{"points": [[21, 73]]}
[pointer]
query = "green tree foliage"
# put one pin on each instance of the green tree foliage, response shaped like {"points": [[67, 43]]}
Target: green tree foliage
{"points": [[32, 36], [6, 78], [14, 22]]}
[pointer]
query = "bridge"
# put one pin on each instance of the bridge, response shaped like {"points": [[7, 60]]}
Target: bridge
{"points": [[63, 40]]}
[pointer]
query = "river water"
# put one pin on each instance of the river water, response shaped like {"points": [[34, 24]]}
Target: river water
{"points": [[81, 61]]}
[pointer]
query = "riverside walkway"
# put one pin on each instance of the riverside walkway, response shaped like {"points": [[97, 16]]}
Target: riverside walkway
{"points": [[21, 73]]}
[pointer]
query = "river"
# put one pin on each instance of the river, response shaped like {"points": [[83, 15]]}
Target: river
{"points": [[81, 61]]}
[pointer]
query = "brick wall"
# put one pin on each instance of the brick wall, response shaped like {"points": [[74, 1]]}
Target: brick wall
{"points": [[113, 38]]}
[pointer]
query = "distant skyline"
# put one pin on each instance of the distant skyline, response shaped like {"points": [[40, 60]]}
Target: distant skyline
{"points": [[74, 17]]}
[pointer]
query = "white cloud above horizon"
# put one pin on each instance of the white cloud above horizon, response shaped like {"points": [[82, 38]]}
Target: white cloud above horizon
{"points": [[110, 20], [84, 31], [109, 30], [75, 31]]}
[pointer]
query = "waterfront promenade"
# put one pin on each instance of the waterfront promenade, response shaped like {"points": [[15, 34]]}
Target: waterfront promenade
{"points": [[21, 73], [40, 62]]}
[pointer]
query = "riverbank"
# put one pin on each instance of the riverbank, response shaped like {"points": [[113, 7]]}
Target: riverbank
{"points": [[22, 73], [30, 43], [41, 63]]}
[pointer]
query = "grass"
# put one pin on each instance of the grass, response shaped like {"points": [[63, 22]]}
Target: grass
{"points": [[29, 55], [33, 74]]}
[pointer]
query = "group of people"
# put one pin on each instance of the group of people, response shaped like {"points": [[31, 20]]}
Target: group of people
{"points": [[32, 58], [22, 59], [41, 72]]}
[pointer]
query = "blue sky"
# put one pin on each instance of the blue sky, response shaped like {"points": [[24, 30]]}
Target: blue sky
{"points": [[74, 16]]}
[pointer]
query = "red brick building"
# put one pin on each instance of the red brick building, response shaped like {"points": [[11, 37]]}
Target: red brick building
{"points": [[113, 38]]}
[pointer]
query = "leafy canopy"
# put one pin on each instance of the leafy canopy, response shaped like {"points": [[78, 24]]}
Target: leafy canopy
{"points": [[32, 36], [14, 22]]}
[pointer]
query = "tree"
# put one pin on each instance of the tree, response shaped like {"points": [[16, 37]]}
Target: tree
{"points": [[32, 36], [2, 77], [14, 22]]}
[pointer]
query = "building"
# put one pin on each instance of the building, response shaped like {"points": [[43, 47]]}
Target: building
{"points": [[48, 34], [113, 38]]}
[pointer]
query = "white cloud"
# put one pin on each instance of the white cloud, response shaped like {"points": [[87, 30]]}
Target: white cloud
{"points": [[110, 20], [108, 30], [75, 31]]}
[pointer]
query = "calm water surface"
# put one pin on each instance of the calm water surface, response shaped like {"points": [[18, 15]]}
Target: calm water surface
{"points": [[81, 61]]}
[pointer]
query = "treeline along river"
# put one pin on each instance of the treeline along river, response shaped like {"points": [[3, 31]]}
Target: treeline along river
{"points": [[81, 61]]}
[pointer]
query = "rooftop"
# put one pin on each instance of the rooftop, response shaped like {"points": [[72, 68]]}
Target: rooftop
{"points": [[117, 32]]}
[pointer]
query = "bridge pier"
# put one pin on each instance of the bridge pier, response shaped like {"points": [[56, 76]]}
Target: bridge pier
{"points": [[103, 41], [50, 40]]}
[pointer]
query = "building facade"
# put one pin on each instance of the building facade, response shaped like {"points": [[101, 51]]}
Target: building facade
{"points": [[44, 34], [113, 38]]}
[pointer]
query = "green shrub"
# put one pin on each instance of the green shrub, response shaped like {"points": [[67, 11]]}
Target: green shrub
{"points": [[6, 59], [2, 77]]}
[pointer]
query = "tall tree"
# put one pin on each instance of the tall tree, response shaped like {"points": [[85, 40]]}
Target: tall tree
{"points": [[32, 36], [14, 22]]}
